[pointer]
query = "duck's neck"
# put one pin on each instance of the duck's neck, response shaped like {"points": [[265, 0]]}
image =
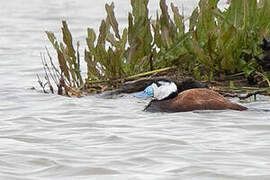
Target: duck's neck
{"points": [[172, 95]]}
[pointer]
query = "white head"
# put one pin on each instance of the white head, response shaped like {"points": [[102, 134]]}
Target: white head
{"points": [[159, 90]]}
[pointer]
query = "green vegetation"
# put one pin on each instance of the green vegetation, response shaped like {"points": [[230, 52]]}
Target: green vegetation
{"points": [[216, 43], [68, 58], [228, 41]]}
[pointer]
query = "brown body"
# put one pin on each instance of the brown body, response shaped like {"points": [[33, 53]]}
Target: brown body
{"points": [[194, 99]]}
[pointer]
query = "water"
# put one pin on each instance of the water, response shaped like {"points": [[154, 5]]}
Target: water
{"points": [[45, 136]]}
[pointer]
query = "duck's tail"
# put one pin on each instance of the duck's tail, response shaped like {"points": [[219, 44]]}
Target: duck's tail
{"points": [[238, 107]]}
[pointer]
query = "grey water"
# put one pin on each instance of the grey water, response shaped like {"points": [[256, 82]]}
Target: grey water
{"points": [[46, 136]]}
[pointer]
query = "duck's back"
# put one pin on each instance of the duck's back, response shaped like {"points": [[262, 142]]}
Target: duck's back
{"points": [[194, 99]]}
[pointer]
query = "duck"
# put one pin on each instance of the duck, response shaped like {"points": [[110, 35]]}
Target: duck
{"points": [[166, 98]]}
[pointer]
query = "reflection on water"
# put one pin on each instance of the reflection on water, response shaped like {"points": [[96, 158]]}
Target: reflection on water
{"points": [[44, 136]]}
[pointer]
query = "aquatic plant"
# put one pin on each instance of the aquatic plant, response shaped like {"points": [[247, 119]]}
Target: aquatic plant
{"points": [[68, 79], [139, 38], [102, 62], [68, 57], [216, 42], [112, 57], [227, 41], [169, 37]]}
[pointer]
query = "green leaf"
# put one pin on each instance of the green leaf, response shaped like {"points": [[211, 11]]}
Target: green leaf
{"points": [[52, 39], [67, 38], [102, 35], [178, 19], [112, 19], [193, 19]]}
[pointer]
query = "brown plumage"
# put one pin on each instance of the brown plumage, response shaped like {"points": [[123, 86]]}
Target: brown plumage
{"points": [[194, 99]]}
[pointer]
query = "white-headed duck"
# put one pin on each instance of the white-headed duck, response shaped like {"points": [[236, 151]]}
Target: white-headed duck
{"points": [[167, 99]]}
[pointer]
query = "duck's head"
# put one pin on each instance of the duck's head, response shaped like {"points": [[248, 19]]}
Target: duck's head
{"points": [[159, 90]]}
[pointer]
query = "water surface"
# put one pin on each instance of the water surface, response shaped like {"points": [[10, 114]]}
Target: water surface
{"points": [[45, 136]]}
